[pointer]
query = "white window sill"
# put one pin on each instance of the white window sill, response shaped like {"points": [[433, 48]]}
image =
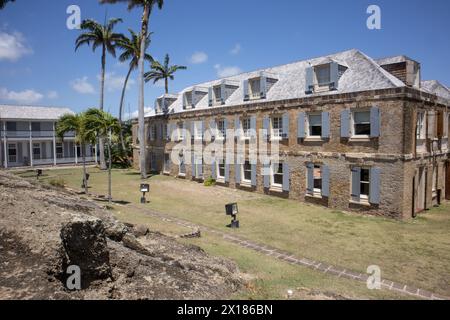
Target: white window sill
{"points": [[362, 202], [360, 139], [313, 139], [246, 183], [182, 175], [315, 195], [276, 138], [220, 179], [276, 188]]}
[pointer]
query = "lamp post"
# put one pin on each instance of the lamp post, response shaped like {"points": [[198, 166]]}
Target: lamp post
{"points": [[145, 188], [232, 210], [85, 180]]}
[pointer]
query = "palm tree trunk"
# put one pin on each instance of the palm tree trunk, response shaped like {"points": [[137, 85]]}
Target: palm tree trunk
{"points": [[122, 142], [141, 120], [83, 153], [167, 85], [102, 94], [109, 170]]}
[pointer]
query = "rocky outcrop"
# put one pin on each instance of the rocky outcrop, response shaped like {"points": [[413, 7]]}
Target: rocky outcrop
{"points": [[44, 230]]}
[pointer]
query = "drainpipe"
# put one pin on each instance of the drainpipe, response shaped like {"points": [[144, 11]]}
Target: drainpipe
{"points": [[76, 152], [5, 145], [31, 145], [54, 145]]}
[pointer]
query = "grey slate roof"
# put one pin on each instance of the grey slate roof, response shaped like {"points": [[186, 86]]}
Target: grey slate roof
{"points": [[32, 113], [363, 74], [435, 87], [391, 60]]}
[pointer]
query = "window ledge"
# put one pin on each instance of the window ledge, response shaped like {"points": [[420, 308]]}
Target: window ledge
{"points": [[360, 139], [314, 139], [314, 196], [276, 189], [364, 203], [182, 175], [220, 180], [246, 184]]}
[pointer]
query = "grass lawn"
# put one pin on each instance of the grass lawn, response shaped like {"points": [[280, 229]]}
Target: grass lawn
{"points": [[415, 252]]}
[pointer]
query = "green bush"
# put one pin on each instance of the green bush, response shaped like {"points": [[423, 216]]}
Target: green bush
{"points": [[210, 182], [57, 182]]}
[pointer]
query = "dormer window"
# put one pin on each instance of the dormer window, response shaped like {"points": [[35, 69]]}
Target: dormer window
{"points": [[258, 87], [193, 97], [163, 103], [323, 77], [219, 93], [255, 88]]}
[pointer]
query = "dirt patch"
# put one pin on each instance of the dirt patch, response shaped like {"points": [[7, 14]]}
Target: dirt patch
{"points": [[44, 230]]}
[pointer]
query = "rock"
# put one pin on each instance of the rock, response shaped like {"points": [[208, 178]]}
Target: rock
{"points": [[131, 242], [85, 245], [140, 231]]}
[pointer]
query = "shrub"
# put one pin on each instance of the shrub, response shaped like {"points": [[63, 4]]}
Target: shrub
{"points": [[210, 182], [58, 182]]}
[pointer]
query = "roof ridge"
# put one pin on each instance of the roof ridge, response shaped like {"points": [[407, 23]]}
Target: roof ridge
{"points": [[386, 74], [271, 67]]}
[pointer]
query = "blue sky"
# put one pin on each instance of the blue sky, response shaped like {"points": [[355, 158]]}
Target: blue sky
{"points": [[38, 64]]}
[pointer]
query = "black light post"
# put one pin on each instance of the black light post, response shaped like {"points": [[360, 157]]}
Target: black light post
{"points": [[85, 180], [145, 188], [232, 210]]}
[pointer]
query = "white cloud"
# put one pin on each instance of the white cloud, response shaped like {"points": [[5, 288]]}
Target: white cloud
{"points": [[198, 57], [25, 97], [114, 82], [13, 46], [237, 48], [52, 95], [82, 85], [223, 72]]}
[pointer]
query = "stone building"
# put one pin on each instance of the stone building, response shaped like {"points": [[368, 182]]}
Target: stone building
{"points": [[354, 133]]}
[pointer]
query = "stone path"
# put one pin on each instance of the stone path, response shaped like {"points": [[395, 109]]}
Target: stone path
{"points": [[295, 260]]}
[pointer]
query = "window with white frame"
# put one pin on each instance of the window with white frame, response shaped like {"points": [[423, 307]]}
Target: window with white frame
{"points": [[198, 131], [277, 127], [59, 150], [218, 93], [247, 172], [323, 75], [220, 170], [255, 88], [246, 128], [361, 123], [317, 174], [315, 125], [277, 175], [180, 131], [36, 151], [221, 130], [12, 152], [365, 184], [188, 99], [421, 129]]}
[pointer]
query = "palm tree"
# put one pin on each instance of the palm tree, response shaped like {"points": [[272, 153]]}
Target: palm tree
{"points": [[100, 36], [147, 6], [104, 125], [4, 2], [77, 123], [131, 51], [160, 72]]}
